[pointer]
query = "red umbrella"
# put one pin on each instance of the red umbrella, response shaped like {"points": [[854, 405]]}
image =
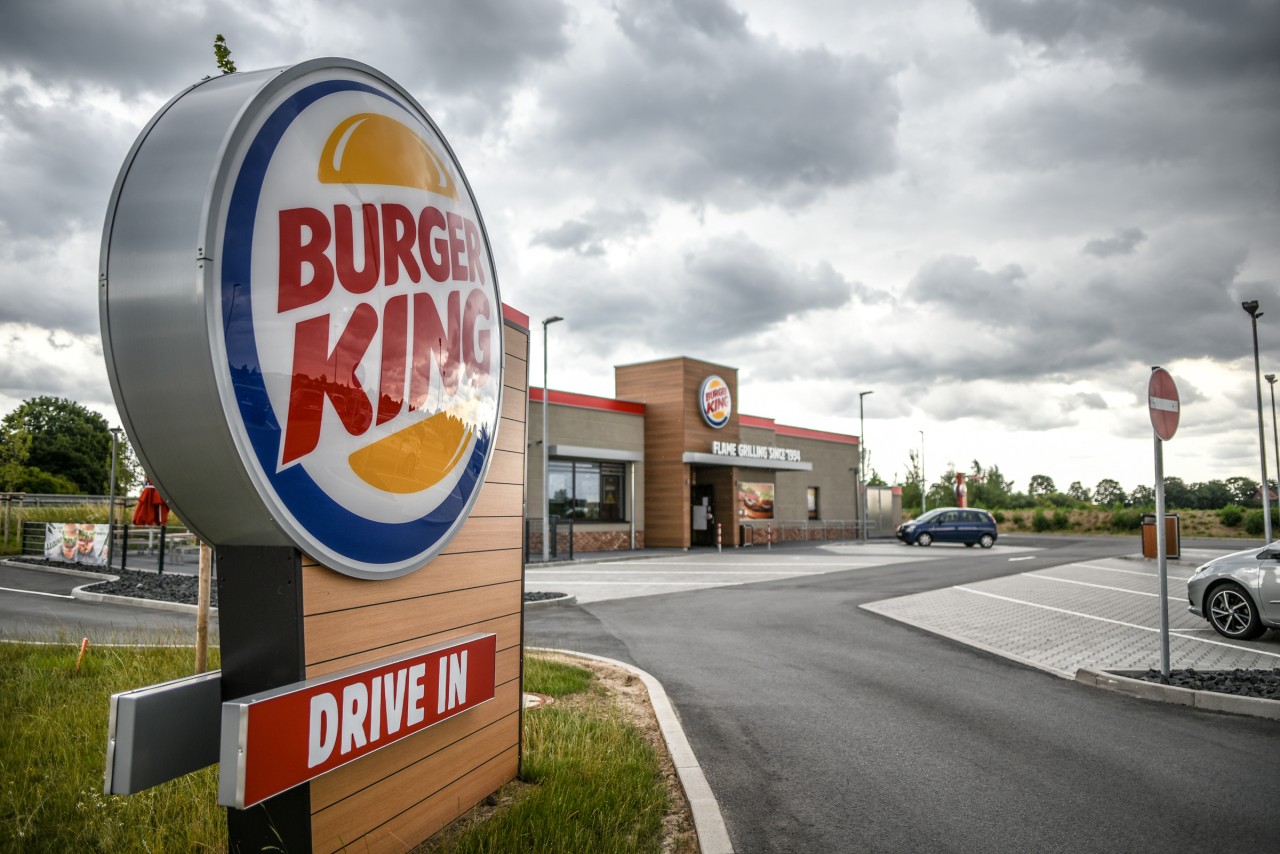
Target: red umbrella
{"points": [[151, 509]]}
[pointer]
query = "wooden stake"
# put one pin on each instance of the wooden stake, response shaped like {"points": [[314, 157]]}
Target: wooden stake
{"points": [[202, 608]]}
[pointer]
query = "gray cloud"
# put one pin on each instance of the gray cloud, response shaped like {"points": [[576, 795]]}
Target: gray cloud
{"points": [[722, 292], [589, 235], [1123, 242], [700, 109]]}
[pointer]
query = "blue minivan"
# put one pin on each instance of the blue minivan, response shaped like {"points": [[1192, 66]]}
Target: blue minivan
{"points": [[950, 525]]}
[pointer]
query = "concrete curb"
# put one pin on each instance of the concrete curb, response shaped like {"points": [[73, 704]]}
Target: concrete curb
{"points": [[61, 570], [111, 598], [1207, 700], [713, 836], [154, 604], [566, 599]]}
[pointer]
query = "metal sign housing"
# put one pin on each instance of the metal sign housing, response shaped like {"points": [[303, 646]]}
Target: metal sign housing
{"points": [[301, 317]]}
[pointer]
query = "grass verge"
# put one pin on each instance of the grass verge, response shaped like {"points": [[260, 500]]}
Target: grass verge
{"points": [[53, 751], [595, 776]]}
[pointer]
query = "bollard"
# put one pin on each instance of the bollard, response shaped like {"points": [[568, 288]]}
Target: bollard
{"points": [[719, 539], [768, 537]]}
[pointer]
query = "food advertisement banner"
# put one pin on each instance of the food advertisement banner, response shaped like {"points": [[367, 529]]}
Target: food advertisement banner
{"points": [[755, 500], [84, 542]]}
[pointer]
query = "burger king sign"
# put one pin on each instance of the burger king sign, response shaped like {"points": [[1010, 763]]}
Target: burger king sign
{"points": [[301, 317]]}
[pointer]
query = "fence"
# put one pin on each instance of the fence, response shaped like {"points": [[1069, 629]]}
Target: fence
{"points": [[757, 532], [141, 547]]}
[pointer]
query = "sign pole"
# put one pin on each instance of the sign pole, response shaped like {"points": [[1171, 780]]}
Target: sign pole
{"points": [[1161, 561], [1165, 410]]}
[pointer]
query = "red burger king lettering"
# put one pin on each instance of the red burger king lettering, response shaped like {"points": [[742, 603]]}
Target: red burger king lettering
{"points": [[317, 251]]}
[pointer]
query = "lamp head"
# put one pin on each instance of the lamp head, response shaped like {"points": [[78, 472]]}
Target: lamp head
{"points": [[557, 319], [1271, 378], [1251, 308]]}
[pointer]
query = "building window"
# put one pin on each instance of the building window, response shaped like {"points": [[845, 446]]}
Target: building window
{"points": [[812, 500], [586, 490]]}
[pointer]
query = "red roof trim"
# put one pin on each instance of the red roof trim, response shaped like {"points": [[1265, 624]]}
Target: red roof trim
{"points": [[757, 422], [795, 432], [516, 318], [587, 401]]}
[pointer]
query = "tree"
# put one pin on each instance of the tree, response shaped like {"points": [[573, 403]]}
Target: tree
{"points": [[222, 54], [876, 479], [1142, 496], [1078, 492], [988, 487], [1176, 494], [1211, 495], [1108, 492], [911, 485], [66, 440], [1244, 491], [15, 447], [1040, 484]]}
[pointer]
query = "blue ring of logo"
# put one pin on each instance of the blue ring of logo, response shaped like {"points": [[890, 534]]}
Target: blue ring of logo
{"points": [[326, 521]]}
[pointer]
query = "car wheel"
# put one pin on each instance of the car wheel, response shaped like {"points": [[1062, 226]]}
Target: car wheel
{"points": [[1233, 614], [925, 540], [968, 545], [986, 541]]}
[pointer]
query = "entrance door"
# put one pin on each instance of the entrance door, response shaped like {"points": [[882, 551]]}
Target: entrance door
{"points": [[702, 515]]}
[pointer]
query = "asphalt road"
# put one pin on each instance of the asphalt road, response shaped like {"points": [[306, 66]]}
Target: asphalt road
{"points": [[37, 605], [824, 727]]}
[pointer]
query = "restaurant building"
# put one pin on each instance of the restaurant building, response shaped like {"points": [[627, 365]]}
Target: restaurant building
{"points": [[669, 462]]}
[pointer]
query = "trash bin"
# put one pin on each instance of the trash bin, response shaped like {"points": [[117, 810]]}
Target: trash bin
{"points": [[1172, 535]]}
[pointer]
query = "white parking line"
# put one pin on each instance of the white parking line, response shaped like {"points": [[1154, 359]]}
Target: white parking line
{"points": [[1114, 622], [36, 593], [1099, 586], [569, 573], [1129, 571]]}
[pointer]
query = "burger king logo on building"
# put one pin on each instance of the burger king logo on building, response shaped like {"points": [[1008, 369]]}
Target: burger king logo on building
{"points": [[362, 324], [714, 401]]}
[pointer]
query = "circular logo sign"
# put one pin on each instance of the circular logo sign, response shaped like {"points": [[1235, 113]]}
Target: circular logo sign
{"points": [[302, 247], [362, 326], [714, 401]]}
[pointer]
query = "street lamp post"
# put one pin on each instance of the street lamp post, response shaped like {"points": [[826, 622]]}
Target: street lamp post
{"points": [[1251, 308], [111, 501], [1275, 435], [862, 463], [546, 474], [923, 481]]}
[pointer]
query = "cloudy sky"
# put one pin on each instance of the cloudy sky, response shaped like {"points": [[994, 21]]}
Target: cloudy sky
{"points": [[996, 215]]}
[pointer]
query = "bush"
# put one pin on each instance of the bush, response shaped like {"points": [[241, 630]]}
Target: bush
{"points": [[1231, 515], [1061, 520], [1254, 522], [998, 516], [1126, 519], [1039, 521]]}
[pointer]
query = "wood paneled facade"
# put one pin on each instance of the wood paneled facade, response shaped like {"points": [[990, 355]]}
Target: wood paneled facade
{"points": [[404, 793]]}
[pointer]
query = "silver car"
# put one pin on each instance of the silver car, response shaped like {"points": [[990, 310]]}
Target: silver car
{"points": [[1239, 594]]}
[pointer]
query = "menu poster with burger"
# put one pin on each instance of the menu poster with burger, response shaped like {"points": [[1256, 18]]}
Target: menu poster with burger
{"points": [[755, 500], [70, 542]]}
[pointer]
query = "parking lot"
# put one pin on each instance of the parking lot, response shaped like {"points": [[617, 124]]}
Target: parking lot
{"points": [[695, 570], [1100, 613]]}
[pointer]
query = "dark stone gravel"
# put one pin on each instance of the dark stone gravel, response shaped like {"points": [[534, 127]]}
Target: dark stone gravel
{"points": [[167, 587], [1264, 684], [542, 596]]}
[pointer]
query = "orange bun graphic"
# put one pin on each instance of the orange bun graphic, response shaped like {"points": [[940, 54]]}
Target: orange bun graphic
{"points": [[369, 148], [414, 458]]}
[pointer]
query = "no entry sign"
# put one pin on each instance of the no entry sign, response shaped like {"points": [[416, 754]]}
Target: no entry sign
{"points": [[1162, 399]]}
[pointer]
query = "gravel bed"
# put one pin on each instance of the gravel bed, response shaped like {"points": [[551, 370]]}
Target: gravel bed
{"points": [[167, 587], [1264, 684]]}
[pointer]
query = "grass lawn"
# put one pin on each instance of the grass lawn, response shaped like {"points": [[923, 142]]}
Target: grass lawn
{"points": [[594, 777]]}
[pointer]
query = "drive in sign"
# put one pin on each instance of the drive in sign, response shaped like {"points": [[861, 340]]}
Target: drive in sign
{"points": [[1162, 399], [282, 738]]}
